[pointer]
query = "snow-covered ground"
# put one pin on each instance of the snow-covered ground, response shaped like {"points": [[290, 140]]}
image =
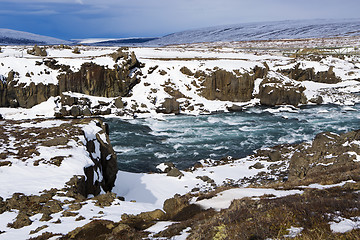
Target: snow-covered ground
{"points": [[145, 191], [161, 72]]}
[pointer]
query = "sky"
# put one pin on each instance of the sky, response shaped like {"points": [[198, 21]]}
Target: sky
{"points": [[77, 19]]}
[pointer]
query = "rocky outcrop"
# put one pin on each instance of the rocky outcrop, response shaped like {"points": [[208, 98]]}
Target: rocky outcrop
{"points": [[228, 86], [37, 51], [96, 80], [92, 133], [309, 74], [275, 92], [104, 164], [330, 158], [91, 79]]}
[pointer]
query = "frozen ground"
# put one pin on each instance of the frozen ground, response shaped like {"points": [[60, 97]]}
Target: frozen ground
{"points": [[145, 191]]}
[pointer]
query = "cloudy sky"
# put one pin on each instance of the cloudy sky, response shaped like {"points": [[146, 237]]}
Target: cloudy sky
{"points": [[71, 19]]}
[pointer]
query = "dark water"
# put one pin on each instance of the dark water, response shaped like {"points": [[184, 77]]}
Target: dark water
{"points": [[141, 144]]}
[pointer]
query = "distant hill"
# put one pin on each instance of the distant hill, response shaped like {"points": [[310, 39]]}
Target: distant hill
{"points": [[295, 29], [13, 37], [114, 42]]}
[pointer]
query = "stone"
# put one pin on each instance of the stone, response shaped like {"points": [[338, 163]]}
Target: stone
{"points": [[55, 141], [104, 200], [75, 111], [118, 102], [86, 112], [22, 220], [309, 74], [174, 173], [170, 105], [225, 86], [274, 92], [121, 228], [92, 230], [235, 108], [186, 71], [257, 166]]}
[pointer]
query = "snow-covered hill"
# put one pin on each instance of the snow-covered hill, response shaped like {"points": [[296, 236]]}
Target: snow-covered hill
{"points": [[265, 31], [12, 37]]}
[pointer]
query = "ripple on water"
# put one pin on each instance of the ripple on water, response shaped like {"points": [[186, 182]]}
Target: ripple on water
{"points": [[142, 144]]}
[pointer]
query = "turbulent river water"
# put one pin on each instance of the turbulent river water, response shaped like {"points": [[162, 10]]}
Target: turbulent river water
{"points": [[142, 144]]}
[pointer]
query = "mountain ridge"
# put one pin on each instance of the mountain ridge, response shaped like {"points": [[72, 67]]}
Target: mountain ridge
{"points": [[289, 29], [14, 37]]}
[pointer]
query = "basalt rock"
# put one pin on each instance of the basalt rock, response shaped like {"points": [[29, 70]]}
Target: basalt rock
{"points": [[330, 158], [91, 79], [309, 74], [230, 86], [13, 94], [274, 92], [105, 163], [96, 80], [37, 51], [170, 105], [226, 86]]}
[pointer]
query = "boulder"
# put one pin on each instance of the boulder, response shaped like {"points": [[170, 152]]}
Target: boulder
{"points": [[118, 102], [175, 173], [170, 105]]}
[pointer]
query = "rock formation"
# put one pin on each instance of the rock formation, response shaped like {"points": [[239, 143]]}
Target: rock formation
{"points": [[274, 92], [309, 74], [91, 79]]}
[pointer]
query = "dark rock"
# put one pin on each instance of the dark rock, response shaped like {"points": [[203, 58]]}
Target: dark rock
{"points": [[75, 111], [170, 105], [92, 231], [326, 159], [317, 100], [274, 92], [179, 209], [1, 117], [76, 50], [235, 108], [91, 79], [86, 112], [225, 86], [143, 220], [175, 173], [186, 71], [22, 220], [55, 141], [37, 51], [119, 103], [257, 166], [169, 167], [104, 200], [309, 75]]}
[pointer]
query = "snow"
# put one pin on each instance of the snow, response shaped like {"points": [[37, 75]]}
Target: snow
{"points": [[342, 225], [42, 110], [161, 167], [319, 186], [293, 232], [223, 199], [30, 178], [149, 94], [19, 35], [263, 31], [159, 226]]}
